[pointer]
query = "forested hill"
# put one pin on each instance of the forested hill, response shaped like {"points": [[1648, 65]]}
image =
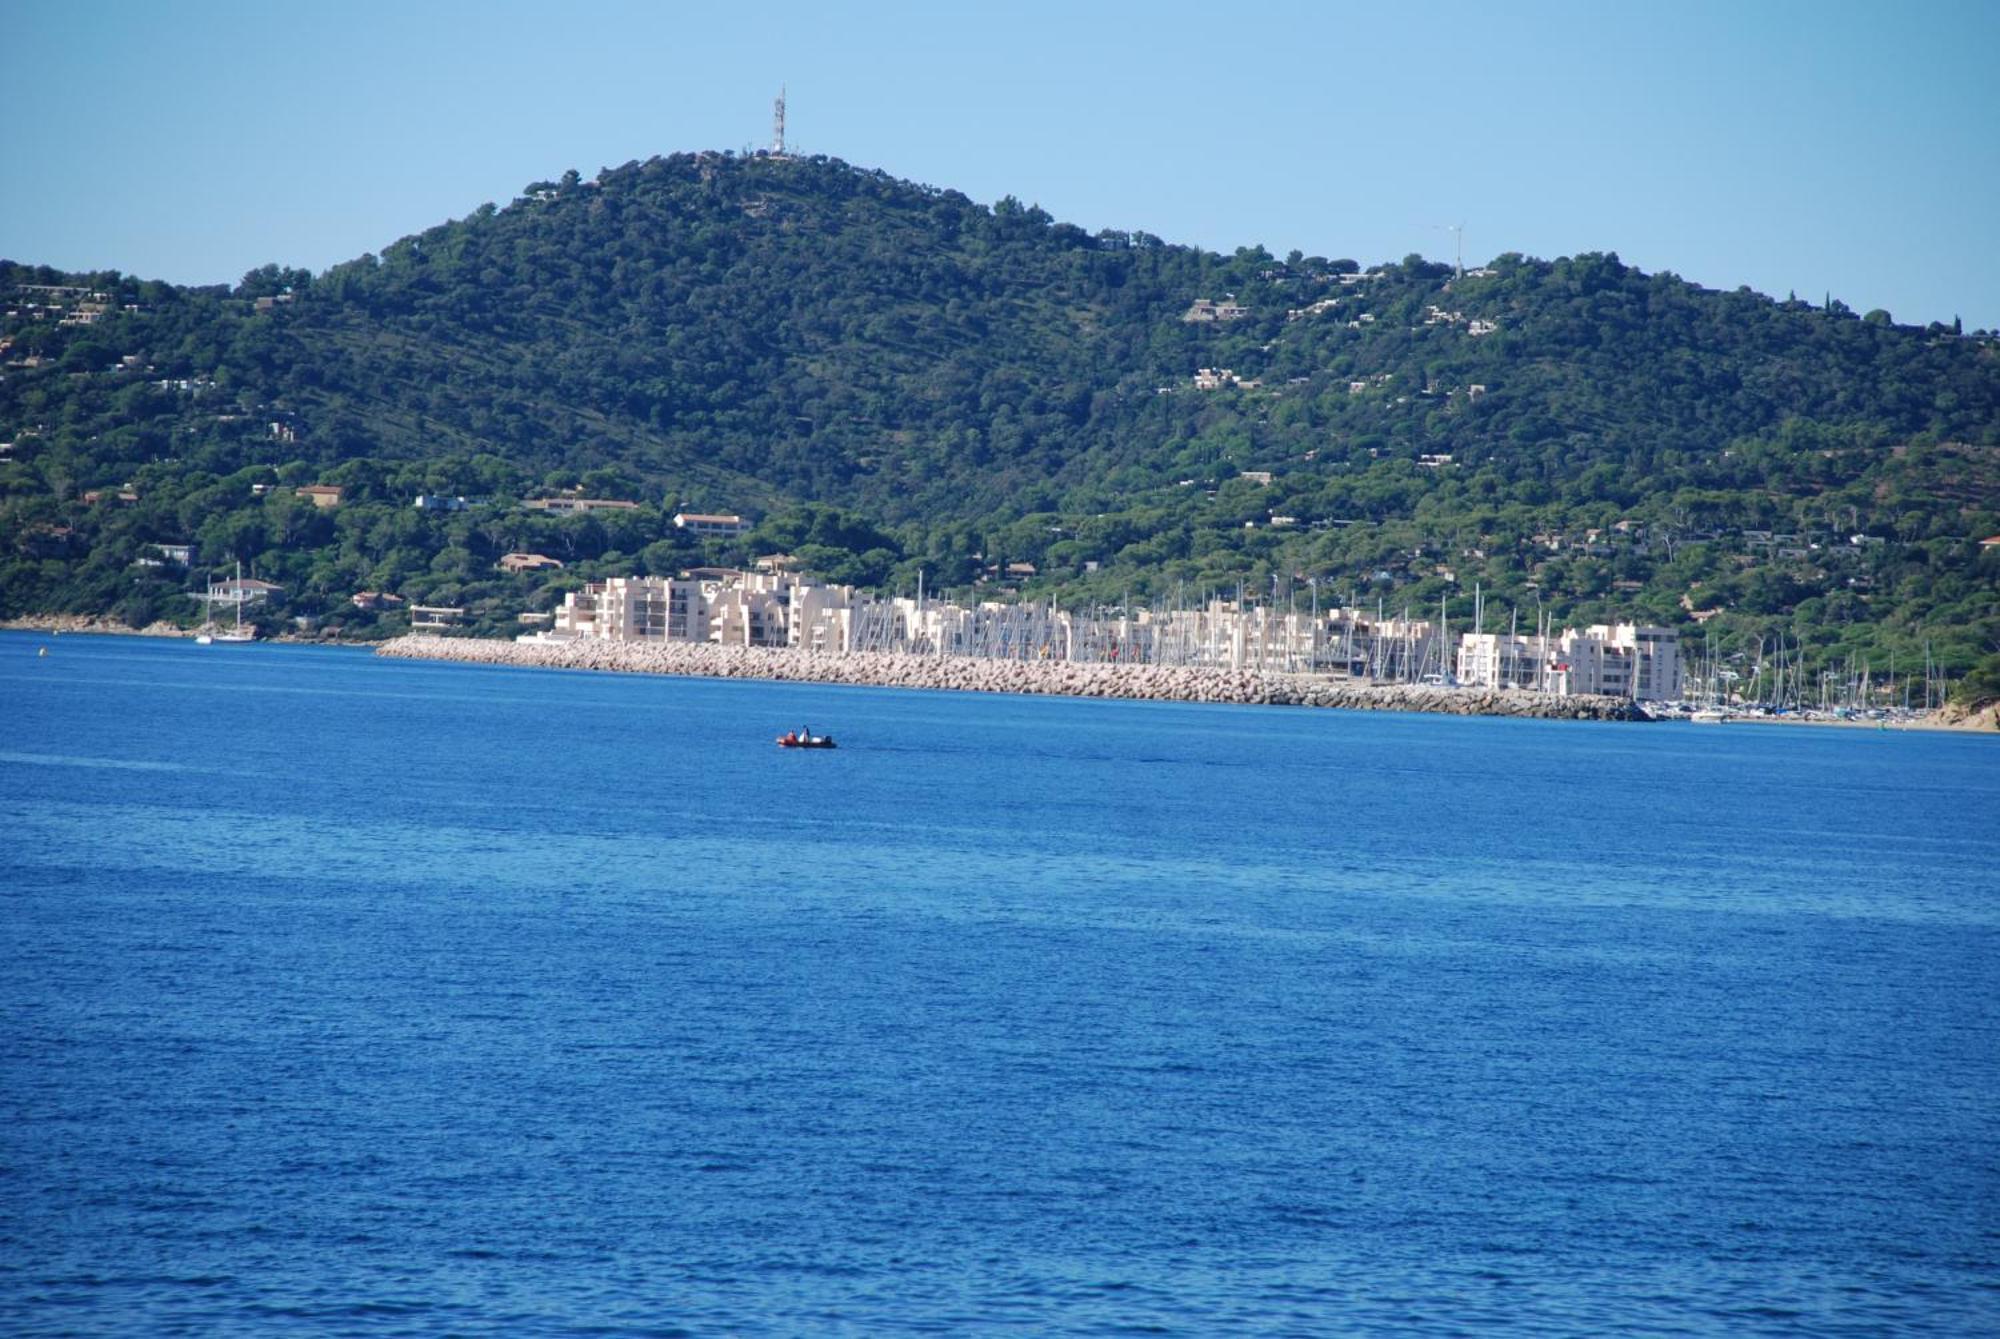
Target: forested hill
{"points": [[975, 386]]}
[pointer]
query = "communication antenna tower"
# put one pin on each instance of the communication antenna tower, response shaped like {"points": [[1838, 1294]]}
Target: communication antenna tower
{"points": [[778, 124], [1458, 232]]}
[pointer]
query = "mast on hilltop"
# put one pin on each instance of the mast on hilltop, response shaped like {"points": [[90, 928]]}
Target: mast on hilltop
{"points": [[778, 124]]}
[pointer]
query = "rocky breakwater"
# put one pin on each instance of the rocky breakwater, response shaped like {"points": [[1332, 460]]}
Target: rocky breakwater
{"points": [[956, 674]]}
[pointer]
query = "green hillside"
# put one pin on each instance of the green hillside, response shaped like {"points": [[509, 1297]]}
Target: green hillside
{"points": [[892, 378]]}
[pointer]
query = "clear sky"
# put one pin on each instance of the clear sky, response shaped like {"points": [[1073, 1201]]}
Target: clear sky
{"points": [[1816, 146]]}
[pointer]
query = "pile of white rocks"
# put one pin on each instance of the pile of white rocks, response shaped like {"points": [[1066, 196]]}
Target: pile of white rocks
{"points": [[963, 674]]}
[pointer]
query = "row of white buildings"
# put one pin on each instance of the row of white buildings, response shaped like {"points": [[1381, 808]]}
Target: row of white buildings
{"points": [[780, 609], [1617, 659]]}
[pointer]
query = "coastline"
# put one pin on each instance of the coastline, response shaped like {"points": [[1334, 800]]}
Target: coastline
{"points": [[61, 624], [86, 625], [1131, 682], [1054, 679], [1983, 722]]}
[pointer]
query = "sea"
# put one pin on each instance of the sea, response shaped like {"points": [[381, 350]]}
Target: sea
{"points": [[353, 996]]}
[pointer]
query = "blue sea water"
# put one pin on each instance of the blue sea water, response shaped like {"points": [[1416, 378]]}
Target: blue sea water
{"points": [[354, 996]]}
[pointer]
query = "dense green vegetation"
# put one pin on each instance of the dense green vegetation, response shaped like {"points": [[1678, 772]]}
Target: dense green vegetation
{"points": [[893, 379]]}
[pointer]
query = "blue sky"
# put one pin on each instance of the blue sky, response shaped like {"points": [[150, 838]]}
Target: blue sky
{"points": [[1787, 145]]}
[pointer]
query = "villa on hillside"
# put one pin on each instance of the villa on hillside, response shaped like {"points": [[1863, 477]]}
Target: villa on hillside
{"points": [[527, 562], [238, 590], [1203, 310], [704, 523], [577, 506]]}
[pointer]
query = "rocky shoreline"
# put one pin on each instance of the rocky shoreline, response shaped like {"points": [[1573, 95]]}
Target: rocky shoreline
{"points": [[60, 624], [1138, 682]]}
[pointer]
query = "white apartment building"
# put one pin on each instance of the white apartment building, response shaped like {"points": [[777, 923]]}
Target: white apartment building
{"points": [[821, 618], [1496, 660], [622, 609], [1655, 654], [1616, 660], [1583, 663], [724, 607]]}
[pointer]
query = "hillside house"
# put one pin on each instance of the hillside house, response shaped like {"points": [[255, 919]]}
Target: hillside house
{"points": [[577, 506], [1312, 309], [707, 523], [1203, 311], [240, 590], [1215, 379], [368, 601], [528, 562]]}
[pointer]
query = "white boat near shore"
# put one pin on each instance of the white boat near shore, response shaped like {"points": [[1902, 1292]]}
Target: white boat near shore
{"points": [[210, 633]]}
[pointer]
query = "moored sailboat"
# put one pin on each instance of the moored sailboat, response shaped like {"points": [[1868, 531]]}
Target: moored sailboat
{"points": [[209, 632]]}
